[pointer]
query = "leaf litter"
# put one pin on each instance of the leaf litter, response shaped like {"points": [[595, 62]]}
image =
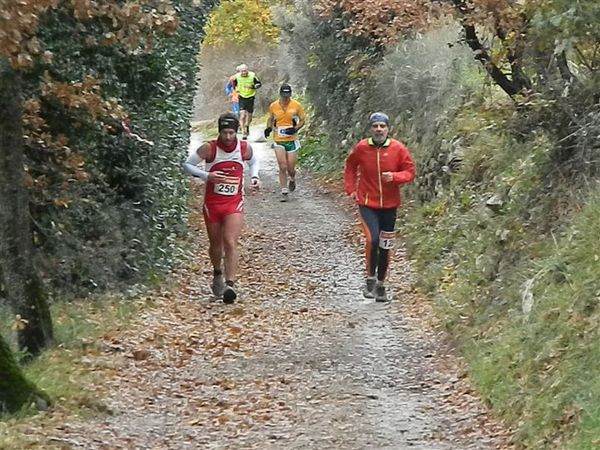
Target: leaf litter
{"points": [[301, 361]]}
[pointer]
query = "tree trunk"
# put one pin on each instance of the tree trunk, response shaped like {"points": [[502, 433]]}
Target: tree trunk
{"points": [[22, 284], [481, 54], [15, 390], [510, 86], [563, 68]]}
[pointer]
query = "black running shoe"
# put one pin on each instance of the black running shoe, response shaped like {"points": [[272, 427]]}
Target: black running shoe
{"points": [[369, 288], [292, 185], [229, 294], [380, 293]]}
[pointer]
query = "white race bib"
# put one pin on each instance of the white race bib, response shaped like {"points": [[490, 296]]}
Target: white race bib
{"points": [[226, 189], [386, 240]]}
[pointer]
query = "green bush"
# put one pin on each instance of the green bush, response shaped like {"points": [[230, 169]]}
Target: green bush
{"points": [[119, 224], [319, 155], [517, 286]]}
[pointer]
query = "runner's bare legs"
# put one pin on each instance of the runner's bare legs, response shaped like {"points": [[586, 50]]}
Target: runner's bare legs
{"points": [[292, 157], [215, 252], [244, 120], [215, 244], [282, 162], [248, 120], [232, 228]]}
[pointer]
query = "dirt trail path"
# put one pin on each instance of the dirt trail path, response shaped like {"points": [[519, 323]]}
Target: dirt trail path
{"points": [[302, 361]]}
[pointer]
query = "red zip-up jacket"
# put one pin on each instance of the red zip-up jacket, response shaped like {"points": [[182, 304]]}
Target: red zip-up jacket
{"points": [[363, 172]]}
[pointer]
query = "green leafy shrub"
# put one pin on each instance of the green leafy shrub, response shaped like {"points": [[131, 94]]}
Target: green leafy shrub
{"points": [[117, 218]]}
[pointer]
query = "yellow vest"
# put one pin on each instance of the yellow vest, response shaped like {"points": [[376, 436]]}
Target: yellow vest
{"points": [[244, 85]]}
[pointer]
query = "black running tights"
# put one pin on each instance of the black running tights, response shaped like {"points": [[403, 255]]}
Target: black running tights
{"points": [[373, 222]]}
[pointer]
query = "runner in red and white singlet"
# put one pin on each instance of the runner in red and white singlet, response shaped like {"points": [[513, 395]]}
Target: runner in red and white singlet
{"points": [[224, 199]]}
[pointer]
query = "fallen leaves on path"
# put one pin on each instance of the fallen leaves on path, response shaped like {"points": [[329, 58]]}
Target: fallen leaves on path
{"points": [[300, 361]]}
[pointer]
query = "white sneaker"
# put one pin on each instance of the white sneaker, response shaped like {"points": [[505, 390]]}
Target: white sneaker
{"points": [[284, 195]]}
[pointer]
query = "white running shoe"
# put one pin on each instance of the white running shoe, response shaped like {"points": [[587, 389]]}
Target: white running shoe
{"points": [[284, 195]]}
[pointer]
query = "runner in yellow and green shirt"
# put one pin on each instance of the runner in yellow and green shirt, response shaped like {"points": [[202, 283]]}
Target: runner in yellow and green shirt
{"points": [[286, 117], [246, 83]]}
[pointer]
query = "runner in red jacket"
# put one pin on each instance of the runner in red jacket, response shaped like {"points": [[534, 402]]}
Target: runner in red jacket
{"points": [[374, 170]]}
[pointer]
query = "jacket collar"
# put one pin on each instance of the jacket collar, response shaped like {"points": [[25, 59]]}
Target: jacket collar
{"points": [[386, 143]]}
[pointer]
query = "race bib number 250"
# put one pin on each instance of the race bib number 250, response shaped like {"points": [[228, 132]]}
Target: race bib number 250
{"points": [[226, 189]]}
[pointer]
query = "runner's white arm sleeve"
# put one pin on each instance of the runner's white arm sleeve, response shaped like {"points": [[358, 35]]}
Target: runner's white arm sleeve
{"points": [[191, 167], [253, 166]]}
